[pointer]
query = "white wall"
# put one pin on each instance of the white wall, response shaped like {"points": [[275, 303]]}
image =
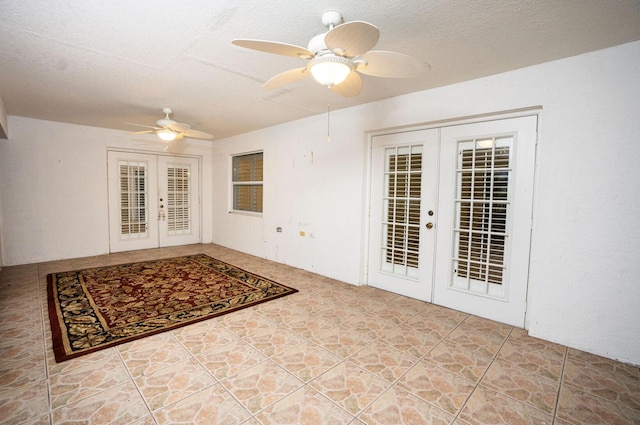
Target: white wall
{"points": [[54, 188], [584, 288]]}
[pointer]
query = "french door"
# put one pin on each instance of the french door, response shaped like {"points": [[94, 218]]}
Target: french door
{"points": [[471, 236], [153, 201], [403, 203]]}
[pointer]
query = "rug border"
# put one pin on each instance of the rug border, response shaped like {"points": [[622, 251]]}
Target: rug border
{"points": [[58, 345]]}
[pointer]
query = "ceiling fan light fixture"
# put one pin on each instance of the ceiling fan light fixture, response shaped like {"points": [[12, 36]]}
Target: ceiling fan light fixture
{"points": [[167, 135], [330, 70]]}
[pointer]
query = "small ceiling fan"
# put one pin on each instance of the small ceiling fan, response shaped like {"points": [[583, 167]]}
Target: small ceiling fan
{"points": [[336, 57], [169, 130]]}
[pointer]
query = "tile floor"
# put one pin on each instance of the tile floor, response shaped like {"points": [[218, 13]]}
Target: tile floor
{"points": [[330, 354]]}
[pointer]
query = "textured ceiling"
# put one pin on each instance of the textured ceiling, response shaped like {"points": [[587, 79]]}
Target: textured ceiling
{"points": [[103, 63]]}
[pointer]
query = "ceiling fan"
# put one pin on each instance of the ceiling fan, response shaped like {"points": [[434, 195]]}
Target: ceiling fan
{"points": [[169, 130], [336, 58]]}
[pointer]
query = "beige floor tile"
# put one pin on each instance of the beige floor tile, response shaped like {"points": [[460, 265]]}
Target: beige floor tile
{"points": [[437, 386], [406, 339], [342, 341], [77, 384], [351, 387], [230, 359], [399, 311], [396, 406], [486, 407], [437, 326], [466, 363], [384, 361], [542, 359], [261, 385], [23, 403], [307, 360], [371, 326], [608, 384], [486, 327], [278, 311], [578, 407], [40, 420], [119, 405], [608, 366], [304, 406], [274, 341], [173, 383], [213, 405], [203, 336], [145, 356], [536, 390], [245, 322], [308, 325], [78, 362], [21, 372], [487, 344], [20, 335]]}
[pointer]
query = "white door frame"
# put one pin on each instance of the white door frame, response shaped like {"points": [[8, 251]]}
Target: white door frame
{"points": [[523, 112]]}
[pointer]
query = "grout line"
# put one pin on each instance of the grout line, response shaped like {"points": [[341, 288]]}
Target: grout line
{"points": [[560, 383], [477, 385]]}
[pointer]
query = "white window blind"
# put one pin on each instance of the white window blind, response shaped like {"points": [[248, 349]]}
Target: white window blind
{"points": [[482, 210], [401, 209], [134, 208], [247, 182], [179, 199]]}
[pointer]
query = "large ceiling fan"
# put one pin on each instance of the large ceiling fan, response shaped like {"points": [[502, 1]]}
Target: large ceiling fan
{"points": [[336, 58], [169, 130]]}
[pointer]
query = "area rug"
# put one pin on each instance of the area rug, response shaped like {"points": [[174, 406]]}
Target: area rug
{"points": [[101, 307]]}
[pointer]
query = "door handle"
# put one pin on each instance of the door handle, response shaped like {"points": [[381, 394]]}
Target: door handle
{"points": [[429, 225]]}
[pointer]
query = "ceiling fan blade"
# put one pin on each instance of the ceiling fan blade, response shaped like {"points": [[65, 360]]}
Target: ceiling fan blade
{"points": [[141, 125], [274, 47], [178, 127], [287, 77], [350, 87], [354, 38], [391, 64], [143, 132], [196, 134]]}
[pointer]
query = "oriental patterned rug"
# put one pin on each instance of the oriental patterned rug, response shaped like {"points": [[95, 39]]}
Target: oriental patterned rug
{"points": [[100, 307]]}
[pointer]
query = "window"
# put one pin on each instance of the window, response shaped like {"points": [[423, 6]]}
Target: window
{"points": [[247, 182], [403, 181], [484, 172], [178, 199], [134, 211]]}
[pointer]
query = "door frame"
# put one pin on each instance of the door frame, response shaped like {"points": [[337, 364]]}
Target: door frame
{"points": [[199, 177], [471, 119]]}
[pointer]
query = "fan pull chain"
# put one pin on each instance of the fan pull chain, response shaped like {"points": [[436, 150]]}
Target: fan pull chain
{"points": [[328, 123]]}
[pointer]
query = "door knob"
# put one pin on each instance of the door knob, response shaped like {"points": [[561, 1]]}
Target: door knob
{"points": [[429, 225]]}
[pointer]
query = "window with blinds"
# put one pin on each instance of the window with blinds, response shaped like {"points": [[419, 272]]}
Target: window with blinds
{"points": [[134, 209], [247, 182], [482, 207], [401, 217], [178, 199]]}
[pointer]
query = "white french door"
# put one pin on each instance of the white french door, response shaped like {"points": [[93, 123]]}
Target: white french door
{"points": [[403, 203], [153, 201], [474, 221]]}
